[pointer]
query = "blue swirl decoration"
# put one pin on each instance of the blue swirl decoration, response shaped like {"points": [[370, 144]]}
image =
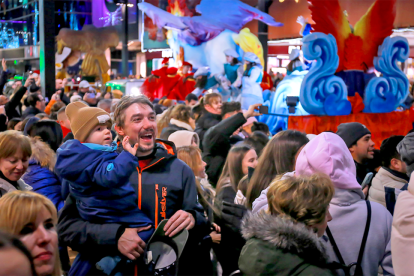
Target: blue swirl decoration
{"points": [[385, 94], [321, 92]]}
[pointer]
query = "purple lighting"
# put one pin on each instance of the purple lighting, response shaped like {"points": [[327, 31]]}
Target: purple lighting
{"points": [[12, 21]]}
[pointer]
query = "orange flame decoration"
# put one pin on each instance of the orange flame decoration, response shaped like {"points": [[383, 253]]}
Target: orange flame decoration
{"points": [[180, 8]]}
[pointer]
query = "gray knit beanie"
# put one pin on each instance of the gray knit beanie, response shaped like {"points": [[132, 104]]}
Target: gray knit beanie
{"points": [[406, 149], [352, 132]]}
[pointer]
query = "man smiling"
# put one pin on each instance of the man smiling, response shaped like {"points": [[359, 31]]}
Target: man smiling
{"points": [[358, 140], [165, 188]]}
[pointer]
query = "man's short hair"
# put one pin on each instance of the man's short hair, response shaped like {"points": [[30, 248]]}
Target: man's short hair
{"points": [[191, 97], [32, 99], [124, 103], [230, 107], [388, 150], [257, 126]]}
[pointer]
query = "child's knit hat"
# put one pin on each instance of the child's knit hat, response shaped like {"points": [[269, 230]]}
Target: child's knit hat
{"points": [[83, 119]]}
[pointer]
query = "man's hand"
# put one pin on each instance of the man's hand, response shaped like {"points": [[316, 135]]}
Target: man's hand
{"points": [[216, 227], [130, 244], [215, 237], [365, 190], [2, 110], [251, 111], [56, 97], [3, 63], [28, 82], [180, 220]]}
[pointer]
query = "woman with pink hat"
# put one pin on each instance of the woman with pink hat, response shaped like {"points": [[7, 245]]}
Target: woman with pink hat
{"points": [[360, 231]]}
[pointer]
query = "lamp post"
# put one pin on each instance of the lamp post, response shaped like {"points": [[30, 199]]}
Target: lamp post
{"points": [[125, 55], [263, 30], [47, 47]]}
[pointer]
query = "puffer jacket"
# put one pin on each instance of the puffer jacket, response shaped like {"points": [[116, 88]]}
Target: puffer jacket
{"points": [[278, 246], [402, 235], [40, 174], [385, 178], [44, 182]]}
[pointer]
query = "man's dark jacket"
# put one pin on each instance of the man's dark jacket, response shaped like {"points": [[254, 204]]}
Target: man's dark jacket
{"points": [[217, 143], [167, 185]]}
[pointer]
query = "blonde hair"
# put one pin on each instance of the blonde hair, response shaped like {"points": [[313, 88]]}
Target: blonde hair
{"points": [[11, 141], [19, 208], [191, 155], [304, 199], [181, 113]]}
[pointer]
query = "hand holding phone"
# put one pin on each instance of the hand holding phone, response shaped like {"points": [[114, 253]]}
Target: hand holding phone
{"points": [[263, 109]]}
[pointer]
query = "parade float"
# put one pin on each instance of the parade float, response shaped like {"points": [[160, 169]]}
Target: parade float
{"points": [[203, 35], [341, 85], [338, 86]]}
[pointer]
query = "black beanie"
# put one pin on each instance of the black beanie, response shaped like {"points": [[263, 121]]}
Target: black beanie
{"points": [[352, 132]]}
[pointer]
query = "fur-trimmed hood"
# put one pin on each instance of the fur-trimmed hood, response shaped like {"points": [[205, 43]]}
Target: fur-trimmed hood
{"points": [[284, 234], [42, 154]]}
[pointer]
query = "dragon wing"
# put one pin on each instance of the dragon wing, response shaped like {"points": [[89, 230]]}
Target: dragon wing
{"points": [[374, 27], [162, 18], [233, 14], [330, 19]]}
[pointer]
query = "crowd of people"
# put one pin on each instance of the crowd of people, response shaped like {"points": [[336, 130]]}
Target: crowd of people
{"points": [[94, 177]]}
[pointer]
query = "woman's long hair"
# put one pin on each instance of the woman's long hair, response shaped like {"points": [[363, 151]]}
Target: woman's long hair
{"points": [[191, 155], [164, 120], [181, 113], [248, 67], [232, 170], [19, 208], [291, 63], [278, 157]]}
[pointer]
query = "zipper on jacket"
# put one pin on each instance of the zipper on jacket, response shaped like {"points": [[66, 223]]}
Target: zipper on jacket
{"points": [[156, 206], [139, 188]]}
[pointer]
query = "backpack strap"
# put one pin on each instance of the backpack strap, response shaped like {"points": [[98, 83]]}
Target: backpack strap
{"points": [[364, 239], [358, 270], [335, 247]]}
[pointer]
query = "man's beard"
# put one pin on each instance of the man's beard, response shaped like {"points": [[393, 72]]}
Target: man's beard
{"points": [[142, 148]]}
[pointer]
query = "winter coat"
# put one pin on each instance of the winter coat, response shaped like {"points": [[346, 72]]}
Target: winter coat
{"points": [[40, 173], [30, 111], [278, 246], [229, 219], [174, 126], [44, 182], [204, 122], [385, 178], [328, 154], [6, 187], [13, 107], [162, 188], [98, 179], [402, 239], [217, 144]]}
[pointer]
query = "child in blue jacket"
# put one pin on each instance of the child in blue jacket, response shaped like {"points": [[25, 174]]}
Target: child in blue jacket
{"points": [[97, 176]]}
